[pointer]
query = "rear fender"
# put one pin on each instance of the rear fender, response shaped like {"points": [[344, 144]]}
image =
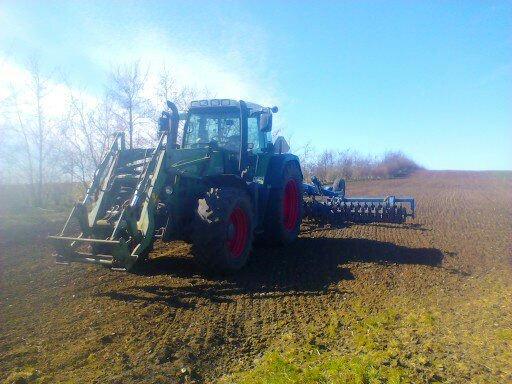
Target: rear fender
{"points": [[275, 169]]}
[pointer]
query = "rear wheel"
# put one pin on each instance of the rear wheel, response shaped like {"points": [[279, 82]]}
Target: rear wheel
{"points": [[223, 230], [284, 211]]}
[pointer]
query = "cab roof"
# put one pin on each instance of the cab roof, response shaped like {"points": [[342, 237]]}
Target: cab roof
{"points": [[215, 103]]}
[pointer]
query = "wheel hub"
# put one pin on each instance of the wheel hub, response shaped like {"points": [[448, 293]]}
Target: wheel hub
{"points": [[238, 232], [291, 205]]}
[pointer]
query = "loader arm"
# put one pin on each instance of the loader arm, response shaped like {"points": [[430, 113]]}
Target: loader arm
{"points": [[147, 198]]}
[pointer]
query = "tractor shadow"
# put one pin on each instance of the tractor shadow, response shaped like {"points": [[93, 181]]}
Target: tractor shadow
{"points": [[308, 267]]}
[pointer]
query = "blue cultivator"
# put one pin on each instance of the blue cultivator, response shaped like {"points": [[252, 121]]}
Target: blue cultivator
{"points": [[331, 204]]}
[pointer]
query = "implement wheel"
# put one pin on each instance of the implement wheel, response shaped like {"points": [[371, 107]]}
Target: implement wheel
{"points": [[285, 208], [223, 230]]}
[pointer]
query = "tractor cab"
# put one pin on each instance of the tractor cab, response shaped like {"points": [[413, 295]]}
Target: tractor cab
{"points": [[232, 134], [228, 124]]}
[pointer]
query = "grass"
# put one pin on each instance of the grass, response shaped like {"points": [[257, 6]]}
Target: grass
{"points": [[372, 356], [310, 365], [400, 343], [23, 376]]}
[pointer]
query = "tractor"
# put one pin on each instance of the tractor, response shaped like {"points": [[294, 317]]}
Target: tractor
{"points": [[224, 185]]}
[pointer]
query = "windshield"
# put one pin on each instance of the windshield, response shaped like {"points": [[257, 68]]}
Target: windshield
{"points": [[221, 127]]}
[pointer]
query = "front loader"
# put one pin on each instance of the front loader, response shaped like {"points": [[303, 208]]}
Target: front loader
{"points": [[116, 219], [224, 185]]}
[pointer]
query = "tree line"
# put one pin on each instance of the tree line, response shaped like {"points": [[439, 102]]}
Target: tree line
{"points": [[351, 165], [43, 144]]}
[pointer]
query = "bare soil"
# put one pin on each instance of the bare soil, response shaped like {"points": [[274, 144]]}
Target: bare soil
{"points": [[169, 323]]}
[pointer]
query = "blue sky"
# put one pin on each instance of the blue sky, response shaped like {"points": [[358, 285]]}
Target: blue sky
{"points": [[433, 79]]}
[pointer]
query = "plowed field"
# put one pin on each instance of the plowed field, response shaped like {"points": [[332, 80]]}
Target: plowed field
{"points": [[431, 299]]}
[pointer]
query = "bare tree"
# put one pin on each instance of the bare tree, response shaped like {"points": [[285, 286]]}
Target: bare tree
{"points": [[127, 91], [306, 155], [87, 132], [103, 120], [28, 138], [168, 89], [29, 129], [39, 90]]}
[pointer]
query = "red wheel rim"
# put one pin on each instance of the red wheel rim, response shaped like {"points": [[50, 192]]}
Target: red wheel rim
{"points": [[291, 205], [238, 232]]}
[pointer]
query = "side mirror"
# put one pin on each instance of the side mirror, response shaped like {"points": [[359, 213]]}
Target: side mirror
{"points": [[265, 122]]}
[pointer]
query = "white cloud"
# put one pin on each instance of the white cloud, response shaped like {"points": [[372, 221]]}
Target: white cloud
{"points": [[16, 85], [236, 67], [229, 75]]}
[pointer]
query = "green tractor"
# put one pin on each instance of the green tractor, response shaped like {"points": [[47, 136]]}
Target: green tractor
{"points": [[224, 185]]}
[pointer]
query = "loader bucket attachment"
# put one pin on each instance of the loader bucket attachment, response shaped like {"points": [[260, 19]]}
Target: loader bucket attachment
{"points": [[116, 252]]}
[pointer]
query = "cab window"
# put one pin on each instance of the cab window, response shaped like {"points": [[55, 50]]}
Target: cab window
{"points": [[221, 127], [256, 140]]}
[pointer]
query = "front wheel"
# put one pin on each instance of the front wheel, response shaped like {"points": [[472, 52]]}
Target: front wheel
{"points": [[223, 230]]}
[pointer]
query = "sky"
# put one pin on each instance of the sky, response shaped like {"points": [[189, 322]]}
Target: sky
{"points": [[432, 79]]}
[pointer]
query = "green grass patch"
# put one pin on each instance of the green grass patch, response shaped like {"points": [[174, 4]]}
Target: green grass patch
{"points": [[373, 356], [296, 364], [505, 334], [23, 376]]}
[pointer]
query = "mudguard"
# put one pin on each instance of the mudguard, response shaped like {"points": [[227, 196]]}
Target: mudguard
{"points": [[275, 169]]}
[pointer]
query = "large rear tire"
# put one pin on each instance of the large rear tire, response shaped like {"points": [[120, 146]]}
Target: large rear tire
{"points": [[285, 208], [223, 230]]}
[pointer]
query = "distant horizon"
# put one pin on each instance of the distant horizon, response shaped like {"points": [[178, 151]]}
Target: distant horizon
{"points": [[2, 185]]}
